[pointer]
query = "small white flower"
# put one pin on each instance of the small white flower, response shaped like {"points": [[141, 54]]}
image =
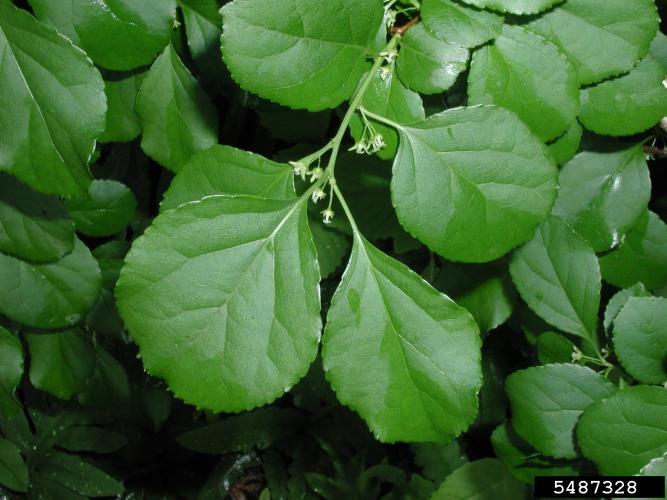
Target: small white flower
{"points": [[318, 195], [327, 215], [389, 55], [390, 17], [316, 173], [576, 355], [300, 169], [377, 142], [360, 147]]}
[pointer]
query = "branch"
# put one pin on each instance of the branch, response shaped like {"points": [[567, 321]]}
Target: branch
{"points": [[655, 151], [400, 30]]}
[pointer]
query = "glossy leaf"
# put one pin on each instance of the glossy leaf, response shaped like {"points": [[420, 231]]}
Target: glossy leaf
{"points": [[459, 24], [522, 460], [514, 6], [78, 475], [640, 338], [639, 413], [33, 226], [331, 246], [227, 170], [60, 362], [472, 183], [388, 97], [310, 56], [554, 348], [53, 105], [484, 290], [49, 295], [13, 470], [603, 193], [427, 64], [483, 479], [641, 258], [108, 209], [116, 34], [249, 267], [529, 76], [122, 123], [177, 116], [203, 26], [402, 355], [566, 146], [364, 181], [547, 401], [11, 371], [628, 104], [619, 299], [257, 429], [558, 276], [600, 42]]}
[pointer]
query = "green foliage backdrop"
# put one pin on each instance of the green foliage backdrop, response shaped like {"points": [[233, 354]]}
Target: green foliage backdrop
{"points": [[299, 249]]}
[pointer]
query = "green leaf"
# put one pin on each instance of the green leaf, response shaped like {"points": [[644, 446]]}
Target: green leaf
{"points": [[628, 104], [249, 325], [658, 49], [603, 193], [656, 467], [427, 64], [459, 24], [600, 42], [108, 209], [521, 460], [108, 387], [623, 433], [13, 470], [227, 170], [365, 181], [437, 460], [547, 400], [558, 276], [331, 246], [640, 338], [529, 76], [49, 295], [78, 475], [485, 479], [472, 183], [177, 116], [122, 121], [33, 226], [203, 26], [617, 302], [259, 428], [388, 97], [11, 371], [642, 257], [485, 290], [566, 146], [116, 34], [514, 6], [554, 348], [60, 362], [311, 55], [90, 438], [56, 111], [402, 355]]}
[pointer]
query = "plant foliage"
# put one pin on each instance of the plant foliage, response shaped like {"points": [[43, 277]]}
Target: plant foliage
{"points": [[288, 249]]}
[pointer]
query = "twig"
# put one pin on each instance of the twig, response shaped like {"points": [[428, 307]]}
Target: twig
{"points": [[400, 30], [655, 151]]}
